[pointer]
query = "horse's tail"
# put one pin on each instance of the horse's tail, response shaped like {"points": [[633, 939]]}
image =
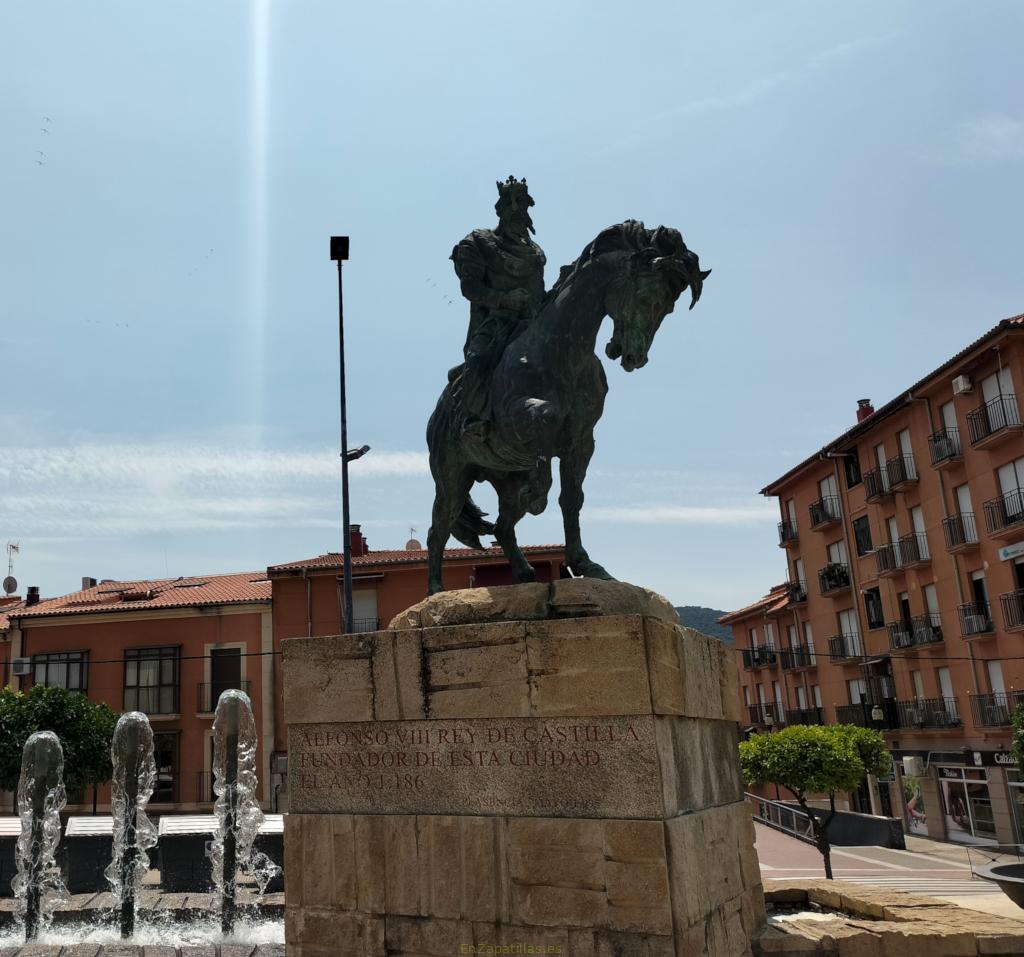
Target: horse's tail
{"points": [[470, 525]]}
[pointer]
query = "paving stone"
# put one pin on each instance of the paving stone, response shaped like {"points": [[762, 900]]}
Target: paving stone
{"points": [[237, 950], [81, 950], [203, 950]]}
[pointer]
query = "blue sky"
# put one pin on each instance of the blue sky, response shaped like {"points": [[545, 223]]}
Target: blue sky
{"points": [[851, 172]]}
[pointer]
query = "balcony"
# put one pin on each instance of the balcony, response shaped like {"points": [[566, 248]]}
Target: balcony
{"points": [[209, 694], [975, 619], [960, 531], [902, 471], [994, 422], [995, 710], [364, 625], [928, 713], [876, 485], [888, 559], [797, 592], [1013, 609], [787, 533], [760, 656], [921, 630], [914, 550], [864, 714], [825, 512], [1004, 516], [766, 715], [847, 647], [834, 578], [945, 448], [799, 656], [805, 716]]}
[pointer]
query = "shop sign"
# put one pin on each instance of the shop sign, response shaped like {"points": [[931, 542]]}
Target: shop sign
{"points": [[1008, 552]]}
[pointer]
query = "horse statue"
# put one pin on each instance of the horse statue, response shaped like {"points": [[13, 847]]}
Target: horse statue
{"points": [[547, 394]]}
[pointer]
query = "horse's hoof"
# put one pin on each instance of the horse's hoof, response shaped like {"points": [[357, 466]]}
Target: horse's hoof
{"points": [[433, 589], [589, 569]]}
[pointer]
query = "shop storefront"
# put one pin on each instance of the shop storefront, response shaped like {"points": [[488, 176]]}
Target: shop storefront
{"points": [[966, 804], [1015, 785]]}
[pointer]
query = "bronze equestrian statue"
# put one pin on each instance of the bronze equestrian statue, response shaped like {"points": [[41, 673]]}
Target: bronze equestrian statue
{"points": [[531, 355]]}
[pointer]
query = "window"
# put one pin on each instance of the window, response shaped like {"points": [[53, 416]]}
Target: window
{"points": [[837, 553], [165, 756], [862, 534], [851, 463], [62, 669], [769, 634], [873, 608], [151, 680]]}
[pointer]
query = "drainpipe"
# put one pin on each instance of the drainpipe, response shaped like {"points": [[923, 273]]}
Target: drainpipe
{"points": [[309, 603]]}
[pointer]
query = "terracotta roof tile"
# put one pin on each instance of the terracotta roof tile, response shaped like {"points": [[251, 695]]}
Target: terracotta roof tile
{"points": [[405, 557], [239, 588], [776, 600]]}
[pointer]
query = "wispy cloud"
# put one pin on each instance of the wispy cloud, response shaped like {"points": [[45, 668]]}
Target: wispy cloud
{"points": [[992, 138], [685, 514]]}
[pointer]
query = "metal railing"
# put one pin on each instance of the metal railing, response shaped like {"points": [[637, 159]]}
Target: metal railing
{"points": [[768, 714], [363, 625], [865, 714], [944, 446], [929, 713], [787, 532], [798, 656], [781, 817], [995, 710], [923, 629], [888, 558], [758, 656], [209, 694], [975, 618], [805, 716], [960, 530], [902, 470], [914, 548], [825, 511], [992, 417], [876, 484], [1004, 512], [1013, 609], [797, 591], [844, 647], [834, 577]]}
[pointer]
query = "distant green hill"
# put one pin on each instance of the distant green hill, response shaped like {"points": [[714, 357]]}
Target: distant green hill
{"points": [[706, 620]]}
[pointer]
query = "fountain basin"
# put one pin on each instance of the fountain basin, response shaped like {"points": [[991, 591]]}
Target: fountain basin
{"points": [[1009, 877]]}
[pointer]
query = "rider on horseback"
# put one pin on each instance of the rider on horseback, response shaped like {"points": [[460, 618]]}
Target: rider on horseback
{"points": [[502, 275]]}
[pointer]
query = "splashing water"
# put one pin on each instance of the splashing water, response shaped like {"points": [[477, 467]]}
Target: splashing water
{"points": [[134, 834], [41, 797], [237, 809]]}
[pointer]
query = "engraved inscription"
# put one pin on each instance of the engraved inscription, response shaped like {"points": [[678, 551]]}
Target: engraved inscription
{"points": [[519, 766]]}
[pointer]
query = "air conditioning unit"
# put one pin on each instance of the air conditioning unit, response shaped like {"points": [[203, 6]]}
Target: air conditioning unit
{"points": [[962, 384], [913, 766], [21, 666]]}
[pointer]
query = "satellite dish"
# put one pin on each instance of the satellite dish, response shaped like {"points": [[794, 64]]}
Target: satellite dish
{"points": [[10, 585]]}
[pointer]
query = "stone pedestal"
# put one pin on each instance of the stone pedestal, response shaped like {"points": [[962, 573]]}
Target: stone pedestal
{"points": [[537, 769]]}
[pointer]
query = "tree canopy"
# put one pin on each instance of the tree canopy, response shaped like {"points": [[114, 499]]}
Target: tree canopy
{"points": [[85, 729]]}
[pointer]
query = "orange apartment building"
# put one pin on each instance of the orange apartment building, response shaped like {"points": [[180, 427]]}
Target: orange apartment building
{"points": [[903, 608], [170, 647]]}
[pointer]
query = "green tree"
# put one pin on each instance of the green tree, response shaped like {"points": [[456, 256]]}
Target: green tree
{"points": [[1017, 747], [809, 759], [84, 727]]}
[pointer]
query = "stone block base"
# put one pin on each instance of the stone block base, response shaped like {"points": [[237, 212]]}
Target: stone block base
{"points": [[559, 785]]}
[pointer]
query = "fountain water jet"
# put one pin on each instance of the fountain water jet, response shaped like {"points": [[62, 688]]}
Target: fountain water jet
{"points": [[134, 778], [41, 797], [238, 811]]}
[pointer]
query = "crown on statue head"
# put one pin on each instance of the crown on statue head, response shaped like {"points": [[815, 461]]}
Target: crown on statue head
{"points": [[511, 185]]}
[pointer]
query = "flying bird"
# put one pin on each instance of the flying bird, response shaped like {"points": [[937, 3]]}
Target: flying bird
{"points": [[40, 163]]}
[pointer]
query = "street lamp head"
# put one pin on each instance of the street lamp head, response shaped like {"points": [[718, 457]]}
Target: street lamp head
{"points": [[339, 248], [354, 454]]}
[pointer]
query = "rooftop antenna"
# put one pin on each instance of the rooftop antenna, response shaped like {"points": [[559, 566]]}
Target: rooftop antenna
{"points": [[10, 582]]}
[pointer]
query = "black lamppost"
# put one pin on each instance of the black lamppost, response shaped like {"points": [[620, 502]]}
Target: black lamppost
{"points": [[339, 253]]}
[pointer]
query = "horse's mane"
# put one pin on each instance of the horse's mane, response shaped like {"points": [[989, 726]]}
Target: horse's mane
{"points": [[630, 236]]}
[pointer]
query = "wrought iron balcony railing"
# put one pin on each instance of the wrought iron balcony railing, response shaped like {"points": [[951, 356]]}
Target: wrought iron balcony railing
{"points": [[888, 558], [805, 716], [995, 710], [825, 511], [209, 694], [975, 618], [799, 656], [945, 446], [923, 629], [787, 533], [914, 549], [797, 591], [876, 484], [1005, 512], [929, 713], [845, 647], [960, 531], [759, 656], [865, 714], [768, 714], [902, 470], [834, 577], [995, 416], [363, 625], [1013, 609]]}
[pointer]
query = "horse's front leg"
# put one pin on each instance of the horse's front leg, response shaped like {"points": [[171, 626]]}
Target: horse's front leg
{"points": [[512, 506], [572, 468]]}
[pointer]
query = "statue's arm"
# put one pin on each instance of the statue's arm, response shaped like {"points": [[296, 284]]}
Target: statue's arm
{"points": [[470, 268]]}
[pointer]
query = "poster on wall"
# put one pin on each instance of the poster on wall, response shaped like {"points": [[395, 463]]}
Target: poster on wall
{"points": [[917, 818]]}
